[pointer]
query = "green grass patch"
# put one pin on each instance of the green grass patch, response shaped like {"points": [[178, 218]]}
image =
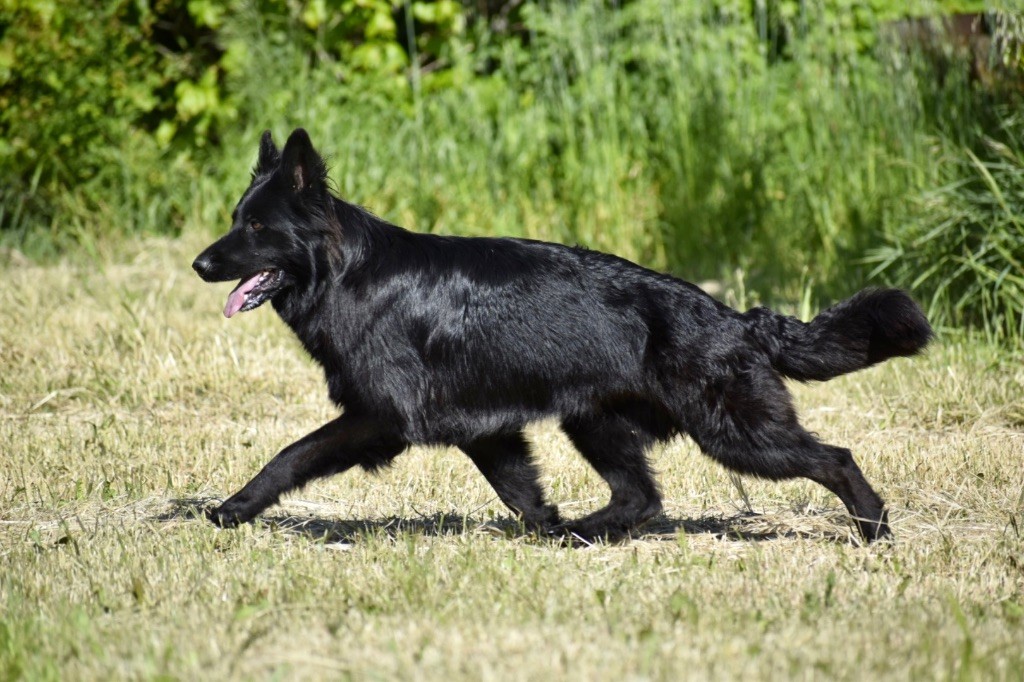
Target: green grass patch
{"points": [[127, 402]]}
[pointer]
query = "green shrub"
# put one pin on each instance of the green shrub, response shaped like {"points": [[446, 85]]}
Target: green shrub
{"points": [[964, 251], [105, 106]]}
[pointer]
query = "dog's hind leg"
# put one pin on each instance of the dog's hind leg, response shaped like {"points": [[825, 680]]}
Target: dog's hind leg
{"points": [[837, 471], [616, 446], [799, 454], [505, 462], [347, 441], [751, 427]]}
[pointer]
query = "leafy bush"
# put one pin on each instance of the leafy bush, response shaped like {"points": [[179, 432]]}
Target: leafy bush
{"points": [[84, 92], [97, 96]]}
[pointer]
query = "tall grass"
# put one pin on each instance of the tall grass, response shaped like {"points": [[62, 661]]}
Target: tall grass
{"points": [[966, 251], [659, 130], [677, 134]]}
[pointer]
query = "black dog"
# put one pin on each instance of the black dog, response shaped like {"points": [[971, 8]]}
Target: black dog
{"points": [[441, 340]]}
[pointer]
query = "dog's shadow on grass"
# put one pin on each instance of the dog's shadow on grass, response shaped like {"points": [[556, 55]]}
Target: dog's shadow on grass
{"points": [[741, 527]]}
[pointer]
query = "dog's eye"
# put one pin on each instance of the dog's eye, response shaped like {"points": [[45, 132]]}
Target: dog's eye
{"points": [[255, 224]]}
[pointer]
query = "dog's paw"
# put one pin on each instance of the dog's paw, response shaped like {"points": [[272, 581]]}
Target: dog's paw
{"points": [[229, 515], [583, 534], [563, 537], [542, 522], [567, 535]]}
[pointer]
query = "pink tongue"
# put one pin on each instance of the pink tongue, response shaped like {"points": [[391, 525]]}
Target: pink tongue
{"points": [[236, 299]]}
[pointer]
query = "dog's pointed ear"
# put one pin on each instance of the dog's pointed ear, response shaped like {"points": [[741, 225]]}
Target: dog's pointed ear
{"points": [[269, 155], [301, 163]]}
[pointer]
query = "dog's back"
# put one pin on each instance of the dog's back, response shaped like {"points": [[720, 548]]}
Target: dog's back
{"points": [[437, 331]]}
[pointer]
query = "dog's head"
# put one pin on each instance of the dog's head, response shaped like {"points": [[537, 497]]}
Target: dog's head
{"points": [[281, 228]]}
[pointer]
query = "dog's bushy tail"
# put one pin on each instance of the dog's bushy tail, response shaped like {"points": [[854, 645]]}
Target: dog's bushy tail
{"points": [[872, 326]]}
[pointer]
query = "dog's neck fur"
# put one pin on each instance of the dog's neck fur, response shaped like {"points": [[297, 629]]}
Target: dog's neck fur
{"points": [[351, 238]]}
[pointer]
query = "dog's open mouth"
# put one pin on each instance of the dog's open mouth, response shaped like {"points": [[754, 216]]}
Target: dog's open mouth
{"points": [[253, 292]]}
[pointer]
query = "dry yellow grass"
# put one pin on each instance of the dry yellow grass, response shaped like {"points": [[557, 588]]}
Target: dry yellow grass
{"points": [[127, 400]]}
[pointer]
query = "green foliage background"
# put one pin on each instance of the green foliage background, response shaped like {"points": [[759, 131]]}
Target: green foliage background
{"points": [[806, 148]]}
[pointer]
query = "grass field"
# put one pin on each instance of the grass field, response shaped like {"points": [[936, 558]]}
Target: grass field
{"points": [[127, 402]]}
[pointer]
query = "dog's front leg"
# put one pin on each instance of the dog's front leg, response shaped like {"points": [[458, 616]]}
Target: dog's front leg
{"points": [[334, 447]]}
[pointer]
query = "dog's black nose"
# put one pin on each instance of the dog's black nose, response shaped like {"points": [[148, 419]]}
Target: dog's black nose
{"points": [[202, 265]]}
